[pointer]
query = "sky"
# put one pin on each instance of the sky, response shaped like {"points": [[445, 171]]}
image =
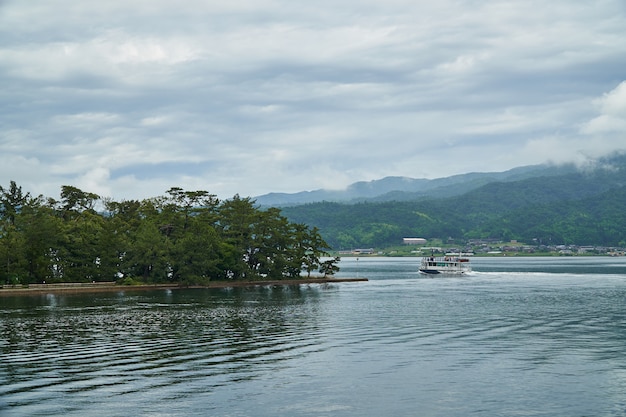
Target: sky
{"points": [[127, 99]]}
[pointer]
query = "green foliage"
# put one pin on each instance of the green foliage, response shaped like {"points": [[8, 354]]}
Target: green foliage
{"points": [[584, 208], [185, 237], [129, 281], [329, 267]]}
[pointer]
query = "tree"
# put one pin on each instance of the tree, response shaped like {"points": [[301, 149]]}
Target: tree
{"points": [[185, 237], [11, 202], [147, 257], [42, 231], [197, 254], [75, 200], [15, 245], [330, 266], [310, 247], [79, 254], [12, 268], [237, 217]]}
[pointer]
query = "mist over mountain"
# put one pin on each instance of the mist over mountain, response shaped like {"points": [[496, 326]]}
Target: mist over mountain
{"points": [[406, 189]]}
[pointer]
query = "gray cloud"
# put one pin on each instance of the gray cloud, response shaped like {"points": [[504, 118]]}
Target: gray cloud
{"points": [[128, 99]]}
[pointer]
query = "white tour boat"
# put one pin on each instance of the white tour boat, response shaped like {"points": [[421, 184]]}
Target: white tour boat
{"points": [[447, 265]]}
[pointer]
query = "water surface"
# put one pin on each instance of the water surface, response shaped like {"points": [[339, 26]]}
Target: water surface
{"points": [[520, 336]]}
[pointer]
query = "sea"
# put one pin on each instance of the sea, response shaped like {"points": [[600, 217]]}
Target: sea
{"points": [[519, 336]]}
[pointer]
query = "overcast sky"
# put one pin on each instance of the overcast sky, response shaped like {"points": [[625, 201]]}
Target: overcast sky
{"points": [[129, 98]]}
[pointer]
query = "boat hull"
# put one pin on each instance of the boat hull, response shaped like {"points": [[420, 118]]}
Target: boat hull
{"points": [[439, 272], [430, 271]]}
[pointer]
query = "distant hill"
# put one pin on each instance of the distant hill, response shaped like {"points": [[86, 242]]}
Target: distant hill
{"points": [[405, 188], [565, 205]]}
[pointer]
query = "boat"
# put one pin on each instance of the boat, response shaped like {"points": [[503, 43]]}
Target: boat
{"points": [[447, 265]]}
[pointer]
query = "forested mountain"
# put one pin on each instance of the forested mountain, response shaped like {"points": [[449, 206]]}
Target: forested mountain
{"points": [[584, 207], [406, 189]]}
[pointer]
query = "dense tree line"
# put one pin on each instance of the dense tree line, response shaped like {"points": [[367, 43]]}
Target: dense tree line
{"points": [[183, 237], [599, 220]]}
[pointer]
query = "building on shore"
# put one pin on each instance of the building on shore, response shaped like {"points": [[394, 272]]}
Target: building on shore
{"points": [[413, 241], [367, 251]]}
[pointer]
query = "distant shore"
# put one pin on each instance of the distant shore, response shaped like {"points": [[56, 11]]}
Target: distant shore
{"points": [[96, 287]]}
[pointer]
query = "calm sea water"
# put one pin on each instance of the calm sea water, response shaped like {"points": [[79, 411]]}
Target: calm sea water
{"points": [[519, 337]]}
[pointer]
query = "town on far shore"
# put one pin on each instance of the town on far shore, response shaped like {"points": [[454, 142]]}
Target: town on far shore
{"points": [[417, 246]]}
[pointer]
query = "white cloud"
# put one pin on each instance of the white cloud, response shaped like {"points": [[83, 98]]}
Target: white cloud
{"points": [[612, 118], [240, 97]]}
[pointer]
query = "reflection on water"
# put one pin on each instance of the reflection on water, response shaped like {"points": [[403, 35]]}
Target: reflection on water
{"points": [[544, 343]]}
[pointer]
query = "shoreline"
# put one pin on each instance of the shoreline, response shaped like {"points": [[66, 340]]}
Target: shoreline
{"points": [[98, 287]]}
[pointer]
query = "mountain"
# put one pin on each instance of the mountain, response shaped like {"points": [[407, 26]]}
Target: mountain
{"points": [[406, 189], [565, 205]]}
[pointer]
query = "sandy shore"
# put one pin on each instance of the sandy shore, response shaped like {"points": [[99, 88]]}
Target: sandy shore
{"points": [[74, 288]]}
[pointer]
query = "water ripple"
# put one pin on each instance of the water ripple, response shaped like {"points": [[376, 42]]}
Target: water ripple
{"points": [[482, 346]]}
